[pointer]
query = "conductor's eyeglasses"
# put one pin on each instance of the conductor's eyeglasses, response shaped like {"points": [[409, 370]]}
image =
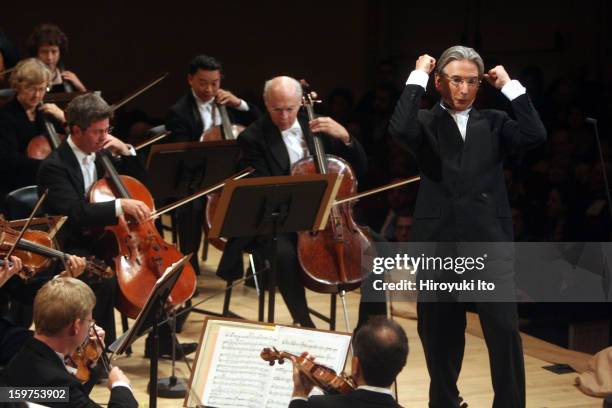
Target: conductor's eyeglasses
{"points": [[458, 81]]}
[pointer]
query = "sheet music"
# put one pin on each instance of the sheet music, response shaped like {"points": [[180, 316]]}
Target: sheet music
{"points": [[239, 378]]}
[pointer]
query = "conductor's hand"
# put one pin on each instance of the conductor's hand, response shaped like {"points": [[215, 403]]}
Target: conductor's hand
{"points": [[115, 375], [425, 63], [302, 386], [498, 77], [136, 209], [329, 126], [227, 98]]}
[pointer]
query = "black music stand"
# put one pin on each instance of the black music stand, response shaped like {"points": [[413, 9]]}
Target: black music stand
{"points": [[273, 206], [180, 169], [151, 315]]}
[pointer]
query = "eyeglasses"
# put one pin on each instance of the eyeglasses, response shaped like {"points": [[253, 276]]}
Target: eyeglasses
{"points": [[101, 132], [458, 81]]}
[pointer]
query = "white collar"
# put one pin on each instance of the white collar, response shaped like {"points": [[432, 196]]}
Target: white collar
{"points": [[200, 101], [455, 112], [293, 128], [80, 155], [380, 390]]}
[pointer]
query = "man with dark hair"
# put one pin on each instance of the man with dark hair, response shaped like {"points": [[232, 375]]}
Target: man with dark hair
{"points": [[193, 115], [462, 198], [380, 349], [70, 171]]}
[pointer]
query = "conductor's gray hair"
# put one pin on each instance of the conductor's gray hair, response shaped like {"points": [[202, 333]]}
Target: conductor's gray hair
{"points": [[282, 80], [459, 53]]}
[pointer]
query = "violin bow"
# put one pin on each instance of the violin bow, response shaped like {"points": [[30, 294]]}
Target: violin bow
{"points": [[134, 94], [27, 224], [377, 190], [201, 193], [152, 140]]}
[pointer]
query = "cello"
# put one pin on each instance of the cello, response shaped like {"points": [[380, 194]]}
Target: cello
{"points": [[143, 255], [227, 131], [331, 258]]}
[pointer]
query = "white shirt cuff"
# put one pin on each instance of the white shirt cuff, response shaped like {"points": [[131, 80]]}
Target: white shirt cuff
{"points": [[418, 77], [131, 151], [118, 208], [243, 106], [513, 89], [121, 384], [299, 398]]}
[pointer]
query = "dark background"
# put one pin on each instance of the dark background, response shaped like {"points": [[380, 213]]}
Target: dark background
{"points": [[115, 47], [561, 51]]}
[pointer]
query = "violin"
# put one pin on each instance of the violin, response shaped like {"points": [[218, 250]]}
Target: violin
{"points": [[143, 255], [227, 131], [322, 377], [87, 355], [331, 258], [36, 250], [41, 146]]}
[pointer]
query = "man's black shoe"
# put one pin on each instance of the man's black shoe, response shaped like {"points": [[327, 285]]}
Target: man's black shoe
{"points": [[165, 349]]}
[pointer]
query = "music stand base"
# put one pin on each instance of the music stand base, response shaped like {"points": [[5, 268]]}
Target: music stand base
{"points": [[171, 387]]}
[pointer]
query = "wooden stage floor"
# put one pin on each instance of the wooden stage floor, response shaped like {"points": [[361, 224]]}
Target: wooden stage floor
{"points": [[544, 389]]}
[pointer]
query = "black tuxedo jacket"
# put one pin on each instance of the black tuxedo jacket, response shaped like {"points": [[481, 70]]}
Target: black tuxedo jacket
{"points": [[263, 149], [61, 174], [37, 365], [356, 399], [185, 122], [462, 194]]}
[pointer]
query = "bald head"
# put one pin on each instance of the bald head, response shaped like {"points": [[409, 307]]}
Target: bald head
{"points": [[283, 97]]}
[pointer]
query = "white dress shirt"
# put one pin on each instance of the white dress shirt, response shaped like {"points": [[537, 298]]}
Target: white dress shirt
{"points": [[511, 90], [295, 142], [209, 112], [87, 163]]}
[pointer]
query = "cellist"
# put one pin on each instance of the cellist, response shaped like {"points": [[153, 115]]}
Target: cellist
{"points": [[21, 119], [271, 145], [70, 171], [194, 114]]}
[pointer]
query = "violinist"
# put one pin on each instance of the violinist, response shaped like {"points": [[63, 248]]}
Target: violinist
{"points": [[271, 145], [70, 171], [21, 119], [12, 336], [63, 321], [380, 349], [194, 114], [49, 44]]}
